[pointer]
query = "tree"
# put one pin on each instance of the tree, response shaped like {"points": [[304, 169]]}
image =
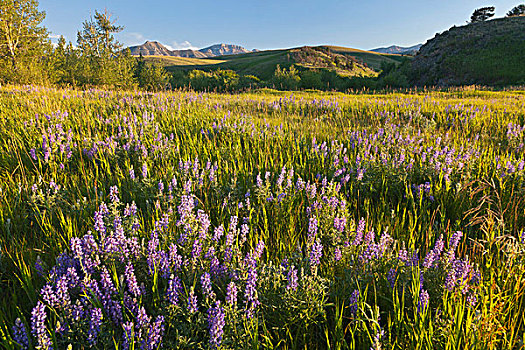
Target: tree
{"points": [[482, 14], [22, 39], [517, 11], [101, 59]]}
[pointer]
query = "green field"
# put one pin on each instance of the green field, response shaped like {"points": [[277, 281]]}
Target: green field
{"points": [[262, 220]]}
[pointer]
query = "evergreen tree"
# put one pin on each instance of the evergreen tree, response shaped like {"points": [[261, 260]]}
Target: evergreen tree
{"points": [[482, 14], [101, 59], [517, 11]]}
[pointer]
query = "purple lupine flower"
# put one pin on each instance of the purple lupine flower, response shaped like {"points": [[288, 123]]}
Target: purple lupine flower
{"points": [[174, 290], [143, 319], [113, 194], [32, 152], [245, 229], [454, 239], [95, 321], [522, 239], [218, 232], [161, 186], [340, 224], [20, 334], [423, 301], [207, 288], [259, 249], [38, 326], [131, 280], [49, 296], [316, 254], [433, 256], [204, 221], [337, 254], [39, 266], [291, 276], [128, 335], [359, 232], [312, 230], [391, 277], [376, 345], [216, 325], [196, 250], [62, 292], [192, 302], [354, 299], [175, 260], [155, 334], [231, 294], [132, 173], [144, 170], [250, 292], [107, 283]]}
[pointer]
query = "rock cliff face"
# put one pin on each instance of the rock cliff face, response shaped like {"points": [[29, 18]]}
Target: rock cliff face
{"points": [[488, 53], [399, 50], [154, 48], [223, 49]]}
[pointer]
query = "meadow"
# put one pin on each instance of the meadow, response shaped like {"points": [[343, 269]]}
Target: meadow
{"points": [[271, 220]]}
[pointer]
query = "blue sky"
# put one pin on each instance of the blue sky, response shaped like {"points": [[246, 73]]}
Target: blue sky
{"points": [[270, 24]]}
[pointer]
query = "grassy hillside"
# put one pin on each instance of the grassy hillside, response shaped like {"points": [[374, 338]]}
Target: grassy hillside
{"points": [[372, 59], [489, 53], [263, 64]]}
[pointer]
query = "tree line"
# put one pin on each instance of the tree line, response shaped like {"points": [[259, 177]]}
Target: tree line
{"points": [[97, 59]]}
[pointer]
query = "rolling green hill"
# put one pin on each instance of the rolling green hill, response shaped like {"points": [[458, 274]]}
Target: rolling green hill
{"points": [[488, 53], [344, 61]]}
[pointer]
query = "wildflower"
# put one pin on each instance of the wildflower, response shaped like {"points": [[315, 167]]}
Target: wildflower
{"points": [[192, 302], [95, 322], [291, 276], [207, 289], [216, 325], [113, 194], [434, 255], [312, 230], [316, 254], [359, 232], [128, 335], [250, 292], [231, 294], [337, 254], [131, 280], [155, 334], [354, 298], [423, 301], [38, 327], [20, 334], [174, 290], [391, 277], [339, 224]]}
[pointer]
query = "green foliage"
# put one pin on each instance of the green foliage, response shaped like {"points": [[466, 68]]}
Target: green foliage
{"points": [[23, 42], [286, 79], [151, 75], [482, 14], [217, 80], [517, 11]]}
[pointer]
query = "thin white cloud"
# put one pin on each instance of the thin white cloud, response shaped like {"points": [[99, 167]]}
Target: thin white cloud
{"points": [[54, 36], [185, 45], [132, 38]]}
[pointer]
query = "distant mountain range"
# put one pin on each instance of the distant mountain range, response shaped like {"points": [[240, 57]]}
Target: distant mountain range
{"points": [[399, 50], [154, 48]]}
